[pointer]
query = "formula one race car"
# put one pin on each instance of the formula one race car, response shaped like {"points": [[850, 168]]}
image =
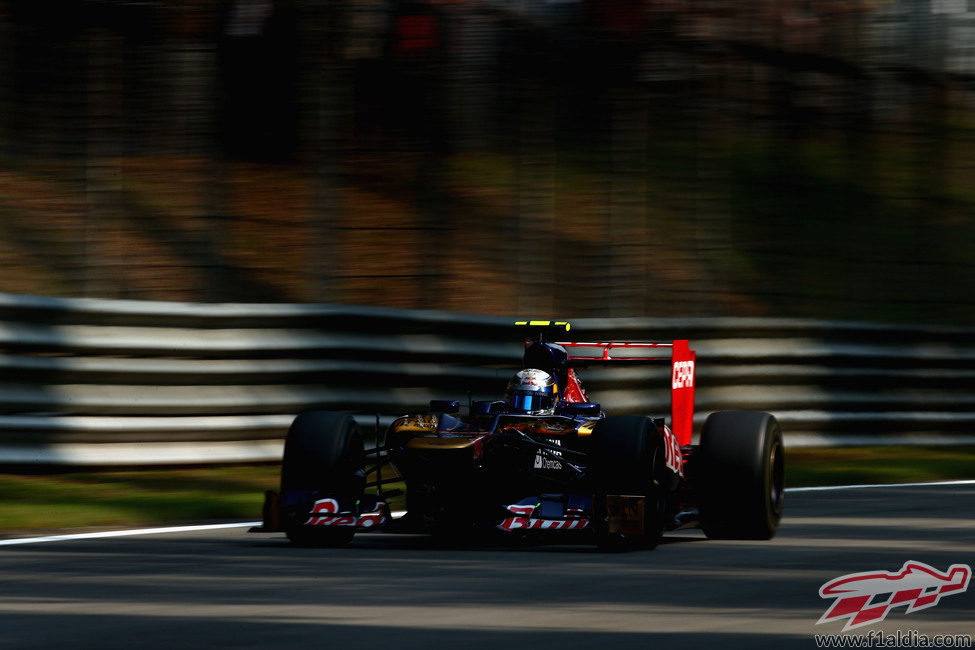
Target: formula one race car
{"points": [[545, 460]]}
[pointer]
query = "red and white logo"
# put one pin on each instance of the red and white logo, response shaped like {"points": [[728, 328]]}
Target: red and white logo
{"points": [[531, 378], [683, 375], [672, 454], [325, 512], [523, 520], [868, 597]]}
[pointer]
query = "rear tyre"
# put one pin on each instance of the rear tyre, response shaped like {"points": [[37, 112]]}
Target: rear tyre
{"points": [[323, 452], [742, 475], [626, 455]]}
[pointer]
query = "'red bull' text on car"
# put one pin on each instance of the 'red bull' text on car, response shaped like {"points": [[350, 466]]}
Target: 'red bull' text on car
{"points": [[545, 460]]}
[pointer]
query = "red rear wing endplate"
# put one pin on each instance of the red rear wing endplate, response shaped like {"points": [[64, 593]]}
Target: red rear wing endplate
{"points": [[678, 354]]}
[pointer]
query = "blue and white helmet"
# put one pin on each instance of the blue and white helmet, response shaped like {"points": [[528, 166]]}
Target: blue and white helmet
{"points": [[532, 392]]}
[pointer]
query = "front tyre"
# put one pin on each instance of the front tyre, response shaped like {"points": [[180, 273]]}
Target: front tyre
{"points": [[742, 475], [323, 452], [627, 455]]}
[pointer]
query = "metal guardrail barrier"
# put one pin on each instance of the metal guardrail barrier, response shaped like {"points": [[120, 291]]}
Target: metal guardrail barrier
{"points": [[101, 382]]}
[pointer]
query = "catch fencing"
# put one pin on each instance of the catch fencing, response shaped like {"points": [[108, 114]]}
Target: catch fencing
{"points": [[106, 382]]}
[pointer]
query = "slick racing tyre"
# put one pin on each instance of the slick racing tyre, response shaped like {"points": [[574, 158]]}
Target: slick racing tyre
{"points": [[742, 475], [626, 454], [324, 452]]}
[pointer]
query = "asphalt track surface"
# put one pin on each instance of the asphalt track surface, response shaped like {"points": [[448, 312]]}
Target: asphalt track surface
{"points": [[228, 588]]}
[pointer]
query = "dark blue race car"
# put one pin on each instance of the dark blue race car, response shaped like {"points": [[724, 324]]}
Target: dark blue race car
{"points": [[545, 460]]}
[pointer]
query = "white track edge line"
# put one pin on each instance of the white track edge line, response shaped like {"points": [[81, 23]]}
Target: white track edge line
{"points": [[138, 531], [124, 533], [823, 488]]}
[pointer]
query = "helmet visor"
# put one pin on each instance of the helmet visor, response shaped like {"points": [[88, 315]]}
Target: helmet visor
{"points": [[526, 402], [529, 402]]}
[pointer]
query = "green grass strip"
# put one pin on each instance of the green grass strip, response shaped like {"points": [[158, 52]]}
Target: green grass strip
{"points": [[859, 465]]}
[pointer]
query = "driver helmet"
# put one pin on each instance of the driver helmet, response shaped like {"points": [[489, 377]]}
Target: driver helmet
{"points": [[532, 392]]}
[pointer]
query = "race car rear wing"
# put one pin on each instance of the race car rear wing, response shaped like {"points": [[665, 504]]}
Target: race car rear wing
{"points": [[576, 354], [677, 353]]}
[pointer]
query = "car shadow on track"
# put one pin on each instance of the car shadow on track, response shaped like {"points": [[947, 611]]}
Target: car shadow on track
{"points": [[503, 542]]}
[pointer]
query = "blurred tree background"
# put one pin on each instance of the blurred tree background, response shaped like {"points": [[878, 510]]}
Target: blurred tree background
{"points": [[541, 157]]}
